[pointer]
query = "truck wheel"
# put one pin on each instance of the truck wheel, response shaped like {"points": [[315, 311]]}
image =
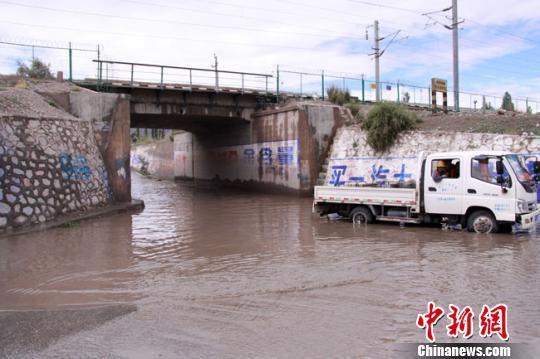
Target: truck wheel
{"points": [[482, 222], [361, 215]]}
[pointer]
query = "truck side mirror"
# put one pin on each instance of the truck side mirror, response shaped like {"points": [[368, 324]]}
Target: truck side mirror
{"points": [[499, 167], [502, 182], [536, 168]]}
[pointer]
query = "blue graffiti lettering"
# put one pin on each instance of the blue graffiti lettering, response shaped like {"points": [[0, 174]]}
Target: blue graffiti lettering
{"points": [[378, 175], [249, 154], [74, 167], [357, 179], [402, 175], [337, 173], [285, 155], [266, 155]]}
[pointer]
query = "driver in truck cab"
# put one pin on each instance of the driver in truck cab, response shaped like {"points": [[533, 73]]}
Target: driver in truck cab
{"points": [[446, 169], [441, 171]]}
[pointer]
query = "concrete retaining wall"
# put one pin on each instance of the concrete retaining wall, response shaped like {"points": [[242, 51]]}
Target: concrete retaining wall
{"points": [[353, 162], [155, 159], [109, 115]]}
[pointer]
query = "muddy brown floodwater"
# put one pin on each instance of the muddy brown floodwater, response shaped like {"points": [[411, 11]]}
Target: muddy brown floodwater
{"points": [[217, 273]]}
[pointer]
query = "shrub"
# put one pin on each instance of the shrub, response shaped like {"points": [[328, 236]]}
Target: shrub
{"points": [[37, 70], [406, 97], [385, 122], [338, 96], [507, 103]]}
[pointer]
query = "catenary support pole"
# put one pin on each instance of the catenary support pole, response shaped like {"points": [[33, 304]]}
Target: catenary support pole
{"points": [[377, 57], [455, 30], [70, 63]]}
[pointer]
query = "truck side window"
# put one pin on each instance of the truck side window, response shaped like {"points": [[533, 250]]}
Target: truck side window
{"points": [[444, 168], [485, 169]]}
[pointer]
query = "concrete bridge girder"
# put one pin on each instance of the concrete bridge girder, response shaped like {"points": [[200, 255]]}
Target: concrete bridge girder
{"points": [[191, 111]]}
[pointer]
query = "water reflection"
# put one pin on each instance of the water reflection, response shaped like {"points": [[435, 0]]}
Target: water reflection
{"points": [[255, 270]]}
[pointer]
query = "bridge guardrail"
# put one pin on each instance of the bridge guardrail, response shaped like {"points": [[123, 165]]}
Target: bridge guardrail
{"points": [[135, 73]]}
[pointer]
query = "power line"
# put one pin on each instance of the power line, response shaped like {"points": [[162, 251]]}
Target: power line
{"points": [[497, 69], [161, 21], [221, 14], [138, 35], [505, 32], [46, 47], [409, 10]]}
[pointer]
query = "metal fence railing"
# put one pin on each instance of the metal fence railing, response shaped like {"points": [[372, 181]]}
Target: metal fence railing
{"points": [[135, 74], [315, 85]]}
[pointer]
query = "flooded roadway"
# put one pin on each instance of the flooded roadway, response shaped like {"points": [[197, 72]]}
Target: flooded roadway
{"points": [[228, 274]]}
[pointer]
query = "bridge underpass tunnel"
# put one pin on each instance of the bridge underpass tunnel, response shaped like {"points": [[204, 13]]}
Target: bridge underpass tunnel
{"points": [[231, 141]]}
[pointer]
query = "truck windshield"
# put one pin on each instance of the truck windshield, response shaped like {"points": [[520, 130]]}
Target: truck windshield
{"points": [[523, 176]]}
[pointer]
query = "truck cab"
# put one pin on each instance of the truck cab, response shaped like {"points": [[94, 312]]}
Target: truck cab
{"points": [[487, 191]]}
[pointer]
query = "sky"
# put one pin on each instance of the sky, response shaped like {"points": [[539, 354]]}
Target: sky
{"points": [[499, 41]]}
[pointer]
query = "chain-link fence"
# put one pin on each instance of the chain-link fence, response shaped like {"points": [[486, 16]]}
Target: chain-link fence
{"points": [[316, 85], [74, 60]]}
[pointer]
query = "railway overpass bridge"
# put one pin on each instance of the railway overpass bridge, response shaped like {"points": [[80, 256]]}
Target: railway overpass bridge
{"points": [[235, 133], [185, 98]]}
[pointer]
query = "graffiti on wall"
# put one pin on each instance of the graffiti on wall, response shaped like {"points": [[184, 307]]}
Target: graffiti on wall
{"points": [[249, 155], [285, 155], [279, 153], [338, 174], [276, 162], [371, 171], [74, 167], [266, 155]]}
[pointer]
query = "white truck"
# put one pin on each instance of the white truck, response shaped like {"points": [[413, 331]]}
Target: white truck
{"points": [[483, 191]]}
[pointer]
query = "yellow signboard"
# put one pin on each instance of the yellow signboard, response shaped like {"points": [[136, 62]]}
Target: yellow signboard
{"points": [[438, 85], [374, 86]]}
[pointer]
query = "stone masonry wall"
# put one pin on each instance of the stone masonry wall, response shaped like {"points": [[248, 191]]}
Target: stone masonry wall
{"points": [[48, 166]]}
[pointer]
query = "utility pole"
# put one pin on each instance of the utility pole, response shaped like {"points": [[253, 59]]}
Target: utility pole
{"points": [[378, 53], [455, 29], [455, 34], [216, 67], [376, 48]]}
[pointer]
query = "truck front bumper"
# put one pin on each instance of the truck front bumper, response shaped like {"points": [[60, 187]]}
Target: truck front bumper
{"points": [[529, 220]]}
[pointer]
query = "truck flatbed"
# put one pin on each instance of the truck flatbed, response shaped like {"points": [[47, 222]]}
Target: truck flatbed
{"points": [[387, 196]]}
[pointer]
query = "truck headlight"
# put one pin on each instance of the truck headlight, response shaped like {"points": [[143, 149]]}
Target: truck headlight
{"points": [[522, 206]]}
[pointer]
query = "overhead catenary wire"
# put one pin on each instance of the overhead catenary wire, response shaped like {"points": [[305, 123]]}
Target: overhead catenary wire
{"points": [[46, 47], [236, 15], [161, 21], [138, 35]]}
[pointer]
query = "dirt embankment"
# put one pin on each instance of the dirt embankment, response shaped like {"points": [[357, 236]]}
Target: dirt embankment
{"points": [[35, 98], [507, 123]]}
